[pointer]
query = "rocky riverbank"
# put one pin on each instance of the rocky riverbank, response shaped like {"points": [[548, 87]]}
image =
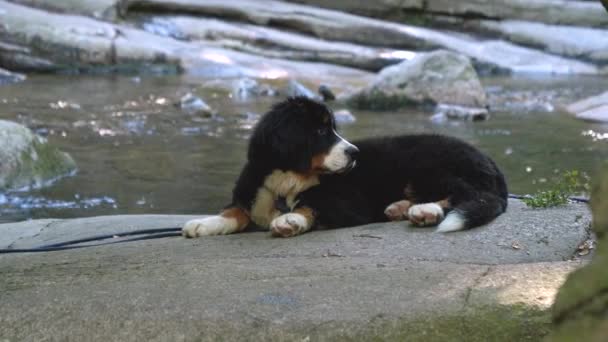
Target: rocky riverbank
{"points": [[222, 38]]}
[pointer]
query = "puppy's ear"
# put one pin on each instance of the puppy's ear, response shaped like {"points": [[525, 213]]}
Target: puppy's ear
{"points": [[291, 149]]}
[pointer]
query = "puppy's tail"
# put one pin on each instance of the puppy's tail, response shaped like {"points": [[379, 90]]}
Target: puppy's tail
{"points": [[472, 213]]}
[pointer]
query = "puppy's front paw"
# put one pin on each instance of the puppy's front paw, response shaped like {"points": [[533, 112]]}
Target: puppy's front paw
{"points": [[288, 225], [397, 211], [213, 225], [428, 214]]}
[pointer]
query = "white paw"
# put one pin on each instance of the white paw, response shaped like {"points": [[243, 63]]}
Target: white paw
{"points": [[455, 221], [212, 225], [288, 225], [427, 214], [397, 211]]}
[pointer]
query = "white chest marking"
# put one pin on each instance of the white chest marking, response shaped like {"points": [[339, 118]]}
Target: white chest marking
{"points": [[278, 184]]}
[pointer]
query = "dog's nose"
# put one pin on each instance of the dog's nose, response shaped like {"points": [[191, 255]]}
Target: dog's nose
{"points": [[352, 151]]}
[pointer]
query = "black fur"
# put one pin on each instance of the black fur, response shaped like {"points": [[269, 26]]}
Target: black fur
{"points": [[428, 168]]}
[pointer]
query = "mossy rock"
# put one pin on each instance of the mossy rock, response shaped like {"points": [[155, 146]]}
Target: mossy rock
{"points": [[429, 78], [27, 160], [580, 311]]}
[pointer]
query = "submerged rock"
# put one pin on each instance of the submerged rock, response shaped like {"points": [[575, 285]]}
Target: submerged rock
{"points": [[295, 88], [247, 88], [594, 108], [460, 113], [437, 77], [28, 160], [193, 104], [7, 77]]}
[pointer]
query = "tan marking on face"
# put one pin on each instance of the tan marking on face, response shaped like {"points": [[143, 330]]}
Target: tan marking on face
{"points": [[240, 215], [316, 165], [287, 184]]}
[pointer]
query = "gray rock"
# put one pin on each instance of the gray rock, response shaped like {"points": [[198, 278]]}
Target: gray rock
{"points": [[41, 41], [193, 104], [103, 9], [436, 77], [247, 88], [89, 42], [565, 12], [377, 9], [270, 42], [344, 116], [577, 42], [460, 113], [7, 77], [295, 88], [594, 108], [339, 26], [375, 282], [28, 161], [582, 298], [326, 93]]}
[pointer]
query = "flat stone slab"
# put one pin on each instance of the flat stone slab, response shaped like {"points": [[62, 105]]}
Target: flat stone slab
{"points": [[384, 281], [520, 235]]}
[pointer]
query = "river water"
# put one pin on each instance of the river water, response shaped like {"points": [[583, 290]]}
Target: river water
{"points": [[138, 153]]}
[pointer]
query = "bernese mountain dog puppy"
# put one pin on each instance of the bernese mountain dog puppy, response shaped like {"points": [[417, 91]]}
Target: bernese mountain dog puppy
{"points": [[301, 175]]}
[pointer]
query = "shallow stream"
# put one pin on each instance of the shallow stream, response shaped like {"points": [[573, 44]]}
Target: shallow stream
{"points": [[138, 153]]}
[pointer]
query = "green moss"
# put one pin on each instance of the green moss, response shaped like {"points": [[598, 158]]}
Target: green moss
{"points": [[569, 184], [503, 323], [39, 164], [378, 100]]}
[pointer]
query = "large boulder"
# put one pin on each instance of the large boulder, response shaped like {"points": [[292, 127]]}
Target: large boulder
{"points": [[439, 77], [581, 305], [27, 160]]}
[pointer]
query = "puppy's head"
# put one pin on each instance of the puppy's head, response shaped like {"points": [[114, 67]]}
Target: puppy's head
{"points": [[299, 135]]}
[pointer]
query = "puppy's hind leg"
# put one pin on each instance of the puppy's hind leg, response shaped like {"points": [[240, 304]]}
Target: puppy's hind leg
{"points": [[473, 212], [231, 220], [428, 214]]}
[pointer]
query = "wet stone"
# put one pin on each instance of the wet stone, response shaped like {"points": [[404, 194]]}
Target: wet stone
{"points": [[193, 104], [7, 77], [295, 88]]}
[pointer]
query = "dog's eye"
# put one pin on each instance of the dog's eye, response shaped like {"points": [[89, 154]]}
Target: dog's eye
{"points": [[322, 131]]}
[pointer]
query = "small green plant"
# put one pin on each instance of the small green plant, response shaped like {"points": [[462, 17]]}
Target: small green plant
{"points": [[570, 183]]}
